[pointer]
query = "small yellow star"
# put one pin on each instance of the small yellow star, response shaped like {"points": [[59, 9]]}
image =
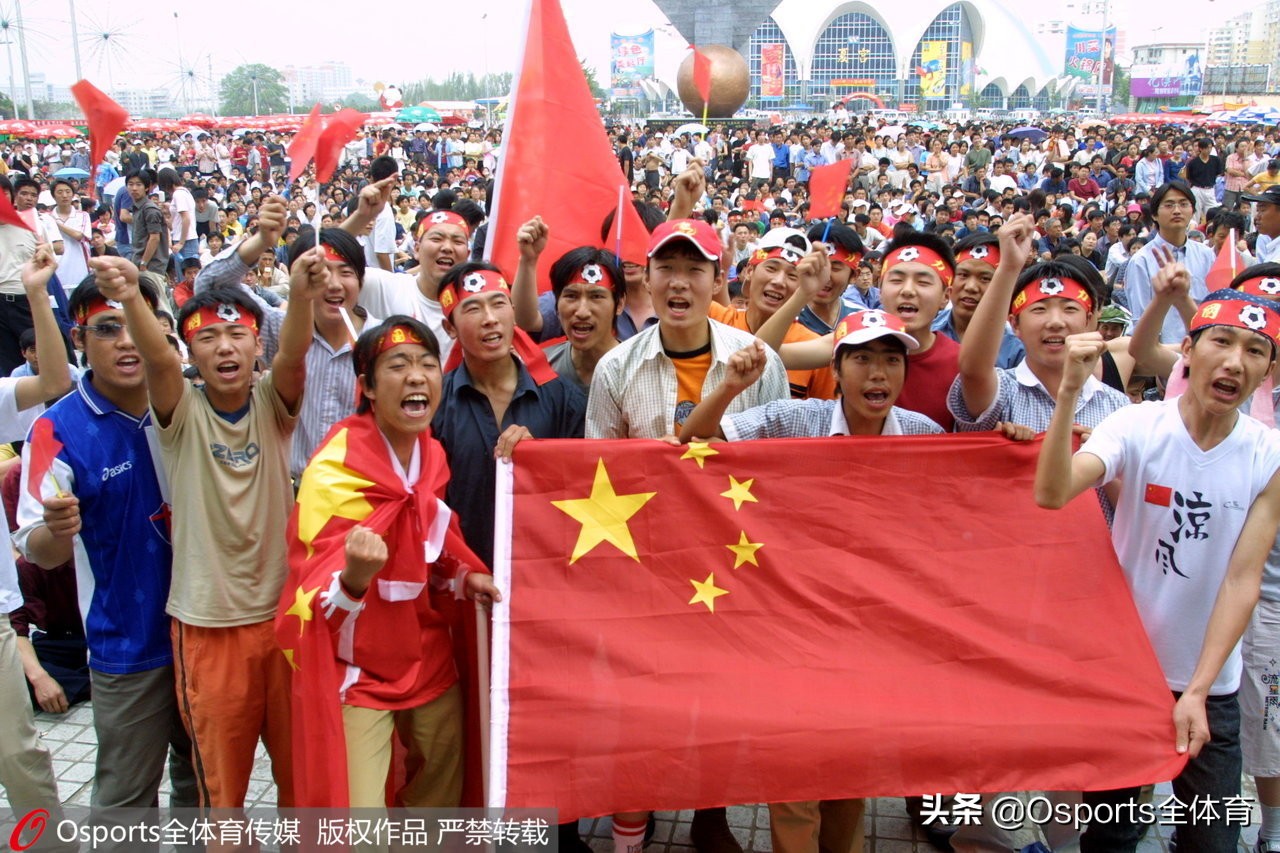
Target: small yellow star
{"points": [[604, 516], [744, 551], [739, 493], [301, 607], [289, 656], [707, 592], [699, 451]]}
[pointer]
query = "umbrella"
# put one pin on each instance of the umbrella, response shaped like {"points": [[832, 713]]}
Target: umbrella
{"points": [[892, 131], [156, 125], [71, 172], [691, 127], [113, 187], [16, 127], [199, 119], [416, 114], [55, 131], [1034, 135], [426, 125], [1092, 122]]}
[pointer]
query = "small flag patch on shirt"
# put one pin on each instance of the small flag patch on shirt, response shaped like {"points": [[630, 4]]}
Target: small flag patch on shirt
{"points": [[1158, 495]]}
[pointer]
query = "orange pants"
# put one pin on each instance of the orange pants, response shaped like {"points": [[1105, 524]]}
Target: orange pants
{"points": [[233, 687]]}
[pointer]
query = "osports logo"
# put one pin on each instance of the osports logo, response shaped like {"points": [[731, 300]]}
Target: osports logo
{"points": [[34, 820]]}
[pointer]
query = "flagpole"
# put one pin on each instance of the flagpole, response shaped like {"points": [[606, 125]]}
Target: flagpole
{"points": [[617, 225], [482, 664]]}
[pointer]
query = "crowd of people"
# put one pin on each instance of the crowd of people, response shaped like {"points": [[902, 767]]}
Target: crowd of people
{"points": [[240, 405]]}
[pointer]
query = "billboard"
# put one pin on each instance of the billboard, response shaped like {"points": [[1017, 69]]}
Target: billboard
{"points": [[933, 69], [1086, 50], [771, 70], [631, 60], [1181, 79], [968, 68]]}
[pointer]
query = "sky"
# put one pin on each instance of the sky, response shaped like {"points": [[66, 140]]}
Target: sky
{"points": [[145, 43]]}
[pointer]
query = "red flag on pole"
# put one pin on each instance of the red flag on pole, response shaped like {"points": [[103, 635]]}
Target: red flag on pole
{"points": [[9, 214], [1225, 266], [827, 186], [106, 119], [44, 449], [702, 74], [630, 237], [773, 653], [339, 129], [572, 191], [303, 146]]}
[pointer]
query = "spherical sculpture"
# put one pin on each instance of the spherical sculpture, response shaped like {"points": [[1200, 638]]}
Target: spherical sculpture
{"points": [[730, 82]]}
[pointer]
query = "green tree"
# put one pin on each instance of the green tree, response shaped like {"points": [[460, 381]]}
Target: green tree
{"points": [[592, 83], [362, 102], [1120, 90], [236, 92]]}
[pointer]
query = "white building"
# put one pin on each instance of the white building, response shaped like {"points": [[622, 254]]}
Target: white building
{"points": [[326, 82]]}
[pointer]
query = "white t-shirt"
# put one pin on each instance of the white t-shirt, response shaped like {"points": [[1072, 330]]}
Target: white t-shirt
{"points": [[761, 157], [183, 200], [14, 426], [386, 293], [1177, 520], [381, 239]]}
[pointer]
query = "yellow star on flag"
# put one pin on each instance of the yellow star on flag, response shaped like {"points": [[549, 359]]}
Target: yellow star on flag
{"points": [[744, 551], [301, 607], [698, 451], [329, 490], [739, 493], [707, 592], [288, 655], [603, 516]]}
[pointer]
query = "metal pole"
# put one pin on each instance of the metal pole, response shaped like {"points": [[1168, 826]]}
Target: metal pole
{"points": [[1102, 55], [75, 40], [186, 93], [254, 79], [213, 89], [13, 98], [22, 54]]}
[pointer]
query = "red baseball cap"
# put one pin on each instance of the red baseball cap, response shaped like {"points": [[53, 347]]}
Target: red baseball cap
{"points": [[699, 233]]}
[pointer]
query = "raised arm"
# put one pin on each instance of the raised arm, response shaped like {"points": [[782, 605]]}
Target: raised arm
{"points": [[55, 377], [117, 279], [228, 269], [745, 367], [308, 280], [813, 271], [1171, 287], [1060, 475], [1232, 608], [690, 185], [532, 241], [372, 199], [981, 346]]}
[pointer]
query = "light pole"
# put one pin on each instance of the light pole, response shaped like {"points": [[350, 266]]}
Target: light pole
{"points": [[22, 54], [75, 40], [1099, 102], [253, 78]]}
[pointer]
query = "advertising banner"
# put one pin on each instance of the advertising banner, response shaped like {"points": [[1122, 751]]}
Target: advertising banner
{"points": [[631, 60]]}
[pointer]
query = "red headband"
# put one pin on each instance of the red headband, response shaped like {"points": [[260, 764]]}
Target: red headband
{"points": [[843, 256], [1241, 315], [443, 217], [592, 274], [1268, 287], [480, 281], [331, 254], [394, 337], [95, 305], [987, 253], [783, 253], [1050, 288], [212, 315], [920, 255]]}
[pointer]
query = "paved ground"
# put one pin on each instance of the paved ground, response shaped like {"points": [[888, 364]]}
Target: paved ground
{"points": [[71, 740]]}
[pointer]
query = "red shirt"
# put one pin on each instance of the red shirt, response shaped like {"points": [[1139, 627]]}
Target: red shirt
{"points": [[929, 378]]}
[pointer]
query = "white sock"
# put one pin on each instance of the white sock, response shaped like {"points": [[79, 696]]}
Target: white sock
{"points": [[628, 837], [1270, 830]]}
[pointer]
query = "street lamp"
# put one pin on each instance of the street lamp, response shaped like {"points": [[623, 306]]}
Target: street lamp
{"points": [[253, 78]]}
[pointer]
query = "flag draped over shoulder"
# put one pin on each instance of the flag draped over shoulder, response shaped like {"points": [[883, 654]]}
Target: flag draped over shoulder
{"points": [[350, 481], [557, 161], [809, 619]]}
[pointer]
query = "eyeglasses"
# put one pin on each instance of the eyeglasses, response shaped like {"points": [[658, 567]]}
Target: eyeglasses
{"points": [[1176, 205], [105, 331]]}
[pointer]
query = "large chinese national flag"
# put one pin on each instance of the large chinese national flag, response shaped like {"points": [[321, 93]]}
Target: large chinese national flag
{"points": [[803, 619]]}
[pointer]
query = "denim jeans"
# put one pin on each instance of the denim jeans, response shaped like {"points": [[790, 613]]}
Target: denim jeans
{"points": [[1214, 773]]}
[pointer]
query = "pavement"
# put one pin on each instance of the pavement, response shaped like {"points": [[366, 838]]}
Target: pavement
{"points": [[73, 744]]}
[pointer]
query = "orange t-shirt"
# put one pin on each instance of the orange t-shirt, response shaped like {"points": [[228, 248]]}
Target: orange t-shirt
{"points": [[691, 374], [805, 384]]}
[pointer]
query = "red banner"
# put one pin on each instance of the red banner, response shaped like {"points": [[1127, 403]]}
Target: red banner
{"points": [[771, 70], [804, 619]]}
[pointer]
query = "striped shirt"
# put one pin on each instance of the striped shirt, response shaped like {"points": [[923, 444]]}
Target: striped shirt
{"points": [[1022, 399], [633, 391], [814, 419]]}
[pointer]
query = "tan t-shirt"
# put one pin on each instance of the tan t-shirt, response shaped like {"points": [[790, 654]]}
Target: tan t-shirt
{"points": [[231, 497]]}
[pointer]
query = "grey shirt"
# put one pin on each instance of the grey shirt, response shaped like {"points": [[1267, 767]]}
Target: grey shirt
{"points": [[148, 219]]}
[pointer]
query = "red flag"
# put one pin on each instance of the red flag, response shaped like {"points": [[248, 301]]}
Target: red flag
{"points": [[572, 191], [1225, 266], [350, 481], [630, 237], [771, 652], [106, 119], [702, 74], [303, 146], [44, 449], [827, 186], [9, 214], [339, 129]]}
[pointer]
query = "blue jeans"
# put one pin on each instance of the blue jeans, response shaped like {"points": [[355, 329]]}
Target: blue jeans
{"points": [[190, 249], [1214, 773]]}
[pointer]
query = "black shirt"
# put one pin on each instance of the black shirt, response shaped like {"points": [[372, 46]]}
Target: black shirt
{"points": [[1201, 173]]}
